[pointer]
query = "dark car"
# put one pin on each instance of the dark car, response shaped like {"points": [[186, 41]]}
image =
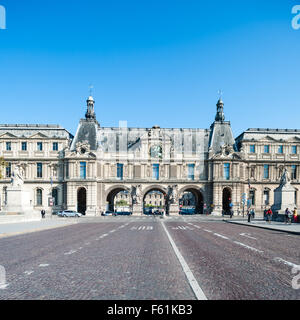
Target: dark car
{"points": [[123, 213], [187, 211]]}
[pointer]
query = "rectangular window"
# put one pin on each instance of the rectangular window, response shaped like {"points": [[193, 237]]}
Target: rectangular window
{"points": [[294, 149], [82, 170], [40, 146], [155, 171], [120, 171], [266, 171], [39, 170], [280, 149], [266, 149], [252, 148], [294, 172], [24, 146], [55, 146], [8, 146], [227, 171], [191, 171], [8, 170]]}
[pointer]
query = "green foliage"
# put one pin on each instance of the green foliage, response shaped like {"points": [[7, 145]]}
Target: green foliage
{"points": [[122, 203]]}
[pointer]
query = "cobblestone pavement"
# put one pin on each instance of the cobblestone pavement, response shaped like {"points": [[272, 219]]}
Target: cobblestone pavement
{"points": [[239, 262], [131, 258], [125, 260]]}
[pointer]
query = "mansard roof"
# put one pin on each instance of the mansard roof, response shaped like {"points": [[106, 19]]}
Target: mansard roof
{"points": [[34, 130], [277, 135]]}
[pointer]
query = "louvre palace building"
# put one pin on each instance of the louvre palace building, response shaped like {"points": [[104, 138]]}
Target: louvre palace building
{"points": [[100, 167]]}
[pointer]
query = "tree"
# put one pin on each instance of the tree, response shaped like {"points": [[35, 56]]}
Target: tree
{"points": [[3, 164]]}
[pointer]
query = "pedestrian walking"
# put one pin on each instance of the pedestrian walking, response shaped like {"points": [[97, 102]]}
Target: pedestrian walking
{"points": [[43, 212], [249, 215], [252, 213], [295, 215], [269, 215], [288, 216]]}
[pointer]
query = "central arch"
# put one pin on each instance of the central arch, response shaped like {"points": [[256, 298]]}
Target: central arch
{"points": [[191, 200], [154, 200]]}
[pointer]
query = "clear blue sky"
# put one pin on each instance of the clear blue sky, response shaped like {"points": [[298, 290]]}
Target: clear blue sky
{"points": [[151, 62]]}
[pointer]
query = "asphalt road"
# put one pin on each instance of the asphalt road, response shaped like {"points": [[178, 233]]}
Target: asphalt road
{"points": [[132, 258]]}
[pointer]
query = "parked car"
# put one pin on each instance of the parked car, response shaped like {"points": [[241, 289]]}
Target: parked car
{"points": [[108, 213], [69, 213], [187, 211], [123, 213]]}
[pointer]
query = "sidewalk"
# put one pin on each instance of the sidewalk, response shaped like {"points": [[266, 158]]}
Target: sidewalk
{"points": [[293, 228], [12, 229]]}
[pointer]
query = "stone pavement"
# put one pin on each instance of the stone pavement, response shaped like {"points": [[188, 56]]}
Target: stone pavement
{"points": [[12, 229], [274, 225]]}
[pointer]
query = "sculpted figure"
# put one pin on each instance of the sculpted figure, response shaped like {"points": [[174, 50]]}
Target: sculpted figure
{"points": [[16, 177]]}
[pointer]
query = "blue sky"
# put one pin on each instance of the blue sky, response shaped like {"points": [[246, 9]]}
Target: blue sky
{"points": [[150, 62]]}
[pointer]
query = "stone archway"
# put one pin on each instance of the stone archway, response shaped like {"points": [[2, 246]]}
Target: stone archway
{"points": [[155, 200], [226, 200], [81, 200], [191, 200], [113, 193]]}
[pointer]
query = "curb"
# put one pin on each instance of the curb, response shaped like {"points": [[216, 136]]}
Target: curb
{"points": [[263, 227]]}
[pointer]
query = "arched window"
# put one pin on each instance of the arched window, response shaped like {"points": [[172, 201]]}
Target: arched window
{"points": [[39, 197]]}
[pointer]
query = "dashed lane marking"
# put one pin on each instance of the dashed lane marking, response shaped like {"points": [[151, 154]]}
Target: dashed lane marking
{"points": [[28, 272], [70, 252], [207, 230], [189, 274], [221, 236], [43, 265], [248, 247]]}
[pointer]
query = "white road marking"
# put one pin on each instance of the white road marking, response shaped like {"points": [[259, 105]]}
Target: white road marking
{"points": [[191, 279], [28, 272], [247, 235], [87, 243], [293, 265], [43, 265], [248, 247], [104, 235], [70, 252], [221, 236], [3, 286], [207, 230], [112, 231]]}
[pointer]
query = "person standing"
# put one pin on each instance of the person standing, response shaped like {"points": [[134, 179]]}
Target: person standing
{"points": [[269, 215], [43, 212]]}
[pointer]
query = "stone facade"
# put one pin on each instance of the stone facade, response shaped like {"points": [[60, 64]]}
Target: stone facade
{"points": [[207, 168]]}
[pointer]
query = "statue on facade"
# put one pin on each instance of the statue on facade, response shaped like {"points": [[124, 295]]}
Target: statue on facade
{"points": [[17, 177], [136, 193], [285, 178]]}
